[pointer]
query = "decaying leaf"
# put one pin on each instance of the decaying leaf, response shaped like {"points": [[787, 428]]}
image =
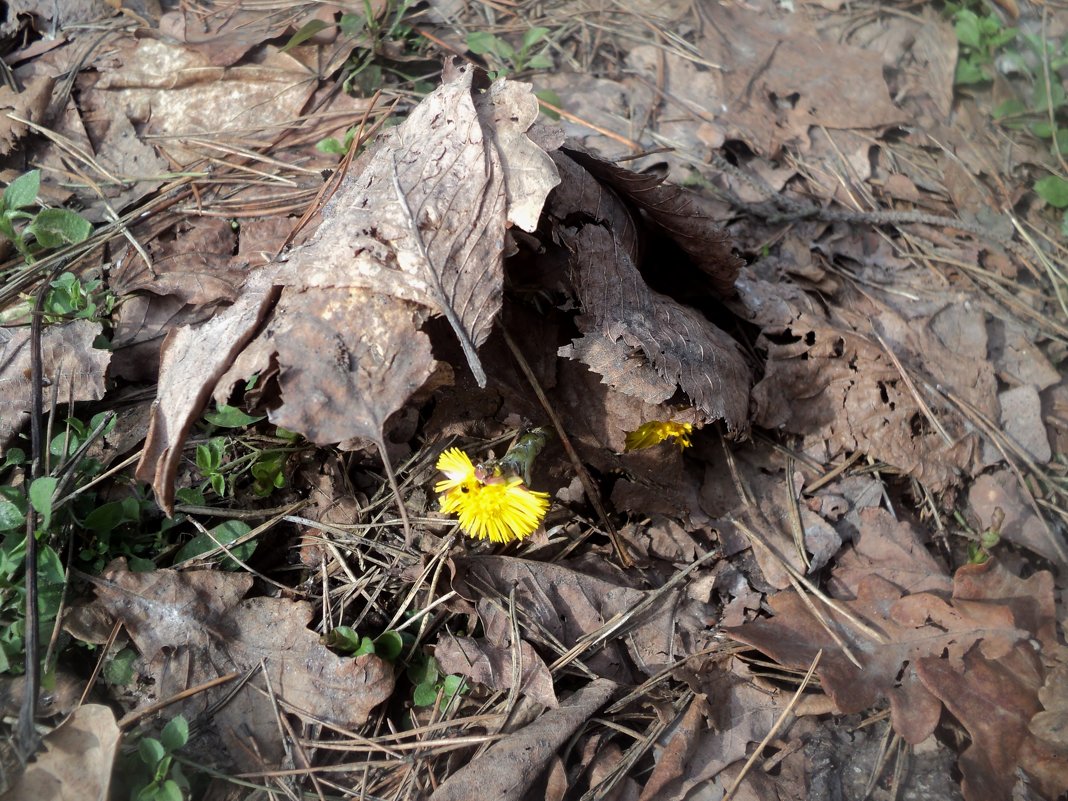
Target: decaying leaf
{"points": [[829, 378], [605, 240], [29, 105], [75, 760], [192, 627], [484, 661], [980, 652], [68, 359], [508, 769]]}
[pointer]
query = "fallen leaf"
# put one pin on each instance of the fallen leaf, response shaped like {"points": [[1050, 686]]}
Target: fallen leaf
{"points": [[507, 769], [75, 760], [68, 359], [913, 626], [483, 661], [192, 627]]}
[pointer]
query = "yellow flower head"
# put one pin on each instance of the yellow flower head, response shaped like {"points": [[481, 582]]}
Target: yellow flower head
{"points": [[656, 431], [493, 507]]}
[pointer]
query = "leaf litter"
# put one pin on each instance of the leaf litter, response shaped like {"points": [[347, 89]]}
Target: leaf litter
{"points": [[884, 373]]}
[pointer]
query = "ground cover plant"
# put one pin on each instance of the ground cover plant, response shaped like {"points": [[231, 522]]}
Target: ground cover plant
{"points": [[559, 400]]}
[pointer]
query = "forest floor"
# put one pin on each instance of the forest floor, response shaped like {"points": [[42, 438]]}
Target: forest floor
{"points": [[805, 421]]}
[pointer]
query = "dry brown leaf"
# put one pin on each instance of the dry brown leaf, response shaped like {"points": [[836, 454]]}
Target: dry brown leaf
{"points": [[68, 359], [229, 30], [29, 104], [75, 760], [191, 627], [190, 261], [784, 79], [914, 626], [508, 769], [561, 605], [1020, 525], [177, 94], [726, 717], [340, 382], [192, 359], [486, 662], [893, 549], [683, 346]]}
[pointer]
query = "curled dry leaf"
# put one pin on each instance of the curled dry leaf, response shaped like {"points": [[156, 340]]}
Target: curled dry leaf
{"points": [[419, 231], [508, 769], [192, 627], [68, 359], [604, 237]]}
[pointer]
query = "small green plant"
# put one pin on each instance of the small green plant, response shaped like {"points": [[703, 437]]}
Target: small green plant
{"points": [[157, 776], [46, 229], [980, 36], [72, 298], [389, 644], [428, 681], [507, 59]]}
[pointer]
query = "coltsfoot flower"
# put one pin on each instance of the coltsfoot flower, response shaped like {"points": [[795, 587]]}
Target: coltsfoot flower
{"points": [[656, 431], [489, 504]]}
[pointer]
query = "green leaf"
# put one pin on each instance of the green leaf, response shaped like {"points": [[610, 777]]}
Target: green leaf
{"points": [[119, 670], [424, 694], [352, 24], [230, 417], [169, 791], [969, 72], [22, 192], [11, 517], [540, 62], [107, 517], [367, 646], [549, 96], [533, 36], [330, 146], [1010, 108], [138, 564], [342, 639], [53, 228], [1053, 189], [967, 29], [41, 492], [175, 733], [306, 32], [50, 570], [218, 484], [389, 645], [480, 43], [151, 751], [452, 685], [225, 533]]}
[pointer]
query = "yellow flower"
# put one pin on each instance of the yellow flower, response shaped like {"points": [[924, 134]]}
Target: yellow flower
{"points": [[656, 431], [497, 508]]}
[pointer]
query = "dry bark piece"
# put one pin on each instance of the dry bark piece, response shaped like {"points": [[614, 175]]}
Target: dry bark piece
{"points": [[191, 627], [75, 760], [508, 769], [68, 359]]}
